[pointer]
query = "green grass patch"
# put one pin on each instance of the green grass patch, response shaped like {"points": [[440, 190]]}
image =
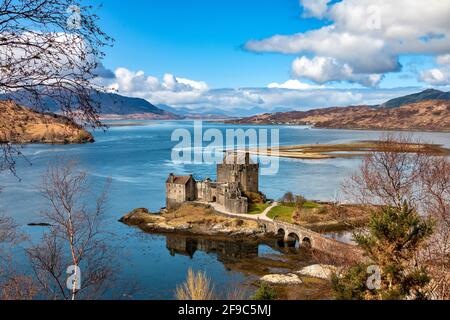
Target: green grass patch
{"points": [[282, 212], [257, 208], [310, 205]]}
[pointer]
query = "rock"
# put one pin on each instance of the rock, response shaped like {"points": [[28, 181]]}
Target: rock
{"points": [[318, 271], [289, 278], [141, 215]]}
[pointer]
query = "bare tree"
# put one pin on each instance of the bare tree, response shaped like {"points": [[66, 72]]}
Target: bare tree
{"points": [[51, 52], [405, 171], [388, 176], [436, 185], [13, 285], [76, 239]]}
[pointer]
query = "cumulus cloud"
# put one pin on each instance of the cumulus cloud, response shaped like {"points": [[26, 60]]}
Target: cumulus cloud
{"points": [[322, 70], [438, 76], [195, 95], [368, 36], [169, 90]]}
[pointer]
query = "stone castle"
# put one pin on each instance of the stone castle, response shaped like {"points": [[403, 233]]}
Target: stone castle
{"points": [[236, 177]]}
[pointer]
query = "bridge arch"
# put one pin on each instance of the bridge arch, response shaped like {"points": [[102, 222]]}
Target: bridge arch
{"points": [[281, 233], [293, 240], [306, 242]]}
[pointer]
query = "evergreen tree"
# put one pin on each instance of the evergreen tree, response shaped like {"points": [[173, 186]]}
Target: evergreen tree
{"points": [[391, 242]]}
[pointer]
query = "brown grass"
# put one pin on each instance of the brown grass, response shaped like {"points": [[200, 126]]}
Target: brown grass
{"points": [[199, 215], [196, 287]]}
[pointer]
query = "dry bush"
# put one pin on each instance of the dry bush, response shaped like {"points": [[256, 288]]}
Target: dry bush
{"points": [[18, 288], [196, 287]]}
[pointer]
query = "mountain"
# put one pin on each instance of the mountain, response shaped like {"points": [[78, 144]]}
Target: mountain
{"points": [[112, 105], [22, 125], [425, 115], [187, 113], [216, 113], [429, 94]]}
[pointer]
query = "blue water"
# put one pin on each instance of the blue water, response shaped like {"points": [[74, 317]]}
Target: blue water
{"points": [[138, 160]]}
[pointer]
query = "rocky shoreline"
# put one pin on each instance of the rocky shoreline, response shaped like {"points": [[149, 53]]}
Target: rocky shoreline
{"points": [[194, 220]]}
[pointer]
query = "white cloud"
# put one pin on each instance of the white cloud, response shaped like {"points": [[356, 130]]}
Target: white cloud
{"points": [[369, 36], [444, 60], [438, 76], [322, 70], [170, 90], [314, 8], [197, 96], [293, 85]]}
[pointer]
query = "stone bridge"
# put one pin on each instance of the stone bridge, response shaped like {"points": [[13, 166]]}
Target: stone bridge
{"points": [[307, 238], [292, 233]]}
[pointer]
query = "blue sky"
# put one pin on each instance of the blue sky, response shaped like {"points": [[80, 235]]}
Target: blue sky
{"points": [[233, 45], [201, 39]]}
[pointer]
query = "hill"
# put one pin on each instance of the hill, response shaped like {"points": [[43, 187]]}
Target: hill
{"points": [[430, 94], [22, 125], [426, 115]]}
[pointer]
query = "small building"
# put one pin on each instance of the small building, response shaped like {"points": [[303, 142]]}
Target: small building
{"points": [[180, 189], [236, 176]]}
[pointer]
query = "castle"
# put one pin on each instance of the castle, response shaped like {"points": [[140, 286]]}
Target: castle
{"points": [[236, 177]]}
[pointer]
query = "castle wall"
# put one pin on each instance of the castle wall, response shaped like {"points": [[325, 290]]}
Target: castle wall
{"points": [[206, 191], [246, 174], [239, 205]]}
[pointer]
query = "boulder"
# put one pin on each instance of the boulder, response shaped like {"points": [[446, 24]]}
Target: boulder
{"points": [[321, 271], [289, 278]]}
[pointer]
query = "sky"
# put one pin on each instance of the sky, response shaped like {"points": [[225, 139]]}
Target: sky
{"points": [[271, 55]]}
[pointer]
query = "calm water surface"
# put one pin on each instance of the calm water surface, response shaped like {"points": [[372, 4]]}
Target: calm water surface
{"points": [[138, 159]]}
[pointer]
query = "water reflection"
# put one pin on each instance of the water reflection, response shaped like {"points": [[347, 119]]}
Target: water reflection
{"points": [[229, 250], [342, 236], [226, 250]]}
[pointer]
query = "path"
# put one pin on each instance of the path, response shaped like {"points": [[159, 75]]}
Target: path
{"points": [[257, 217]]}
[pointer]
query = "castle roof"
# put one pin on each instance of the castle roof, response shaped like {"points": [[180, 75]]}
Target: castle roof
{"points": [[183, 180]]}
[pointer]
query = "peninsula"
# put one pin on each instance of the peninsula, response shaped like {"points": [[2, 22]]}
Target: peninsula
{"points": [[20, 125]]}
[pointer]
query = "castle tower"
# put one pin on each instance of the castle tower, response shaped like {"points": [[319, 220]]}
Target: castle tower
{"points": [[237, 167]]}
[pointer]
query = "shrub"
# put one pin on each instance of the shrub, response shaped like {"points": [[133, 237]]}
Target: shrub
{"points": [[265, 292]]}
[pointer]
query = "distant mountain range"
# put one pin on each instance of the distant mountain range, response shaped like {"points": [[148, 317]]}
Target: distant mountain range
{"points": [[112, 106], [415, 111], [428, 110]]}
